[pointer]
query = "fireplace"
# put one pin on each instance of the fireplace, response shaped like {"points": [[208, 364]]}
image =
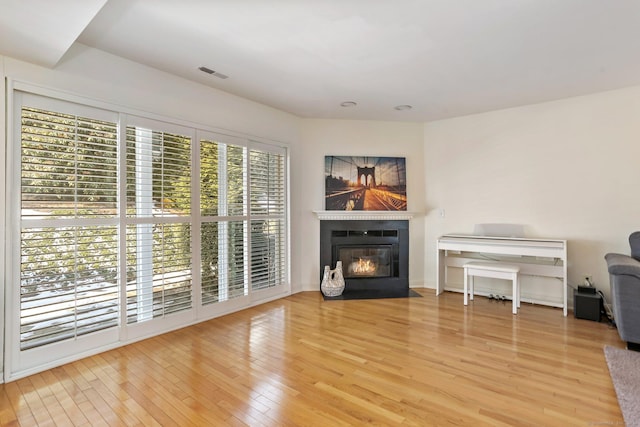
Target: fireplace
{"points": [[366, 260], [374, 255]]}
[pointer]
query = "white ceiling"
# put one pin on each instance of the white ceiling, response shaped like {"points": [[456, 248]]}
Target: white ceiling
{"points": [[444, 57]]}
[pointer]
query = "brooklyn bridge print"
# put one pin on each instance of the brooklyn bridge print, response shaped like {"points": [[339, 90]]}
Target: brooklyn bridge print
{"points": [[365, 183]]}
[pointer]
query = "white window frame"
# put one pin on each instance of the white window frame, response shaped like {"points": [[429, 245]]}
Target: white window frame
{"points": [[272, 292], [24, 362], [149, 326], [19, 363], [225, 305]]}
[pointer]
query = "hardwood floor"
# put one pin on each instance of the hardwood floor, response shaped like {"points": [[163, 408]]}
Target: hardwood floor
{"points": [[301, 361]]}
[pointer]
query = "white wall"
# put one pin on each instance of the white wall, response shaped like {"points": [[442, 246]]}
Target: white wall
{"points": [[357, 138], [3, 259], [100, 76], [565, 169]]}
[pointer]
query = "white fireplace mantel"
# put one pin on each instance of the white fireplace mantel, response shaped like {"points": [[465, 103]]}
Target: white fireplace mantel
{"points": [[364, 215]]}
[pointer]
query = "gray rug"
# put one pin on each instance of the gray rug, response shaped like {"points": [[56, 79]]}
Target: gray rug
{"points": [[624, 368]]}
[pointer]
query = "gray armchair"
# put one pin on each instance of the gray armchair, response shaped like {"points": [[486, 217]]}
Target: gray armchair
{"points": [[624, 276]]}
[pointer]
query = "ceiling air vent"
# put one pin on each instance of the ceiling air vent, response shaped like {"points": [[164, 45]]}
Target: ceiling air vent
{"points": [[215, 73]]}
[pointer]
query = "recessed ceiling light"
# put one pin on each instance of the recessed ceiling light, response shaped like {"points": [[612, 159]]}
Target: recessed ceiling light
{"points": [[402, 107], [215, 73], [348, 104]]}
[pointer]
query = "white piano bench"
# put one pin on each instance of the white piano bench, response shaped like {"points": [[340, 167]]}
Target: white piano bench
{"points": [[495, 270]]}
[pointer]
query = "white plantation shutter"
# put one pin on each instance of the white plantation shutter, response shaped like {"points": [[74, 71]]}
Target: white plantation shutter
{"points": [[68, 245], [223, 249], [158, 173], [159, 277], [236, 181], [268, 230], [69, 166], [267, 183], [224, 271], [267, 253], [210, 164], [234, 243], [158, 271]]}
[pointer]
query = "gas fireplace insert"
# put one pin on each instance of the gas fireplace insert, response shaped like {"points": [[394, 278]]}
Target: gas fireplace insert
{"points": [[374, 255]]}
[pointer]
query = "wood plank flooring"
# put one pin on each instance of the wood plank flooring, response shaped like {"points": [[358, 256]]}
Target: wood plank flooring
{"points": [[302, 361]]}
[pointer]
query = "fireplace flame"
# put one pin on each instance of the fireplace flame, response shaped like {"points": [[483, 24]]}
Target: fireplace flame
{"points": [[363, 266]]}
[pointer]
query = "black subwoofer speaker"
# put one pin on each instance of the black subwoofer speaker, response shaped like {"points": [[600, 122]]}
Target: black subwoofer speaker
{"points": [[587, 305]]}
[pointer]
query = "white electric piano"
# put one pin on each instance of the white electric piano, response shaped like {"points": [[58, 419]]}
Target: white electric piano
{"points": [[536, 257]]}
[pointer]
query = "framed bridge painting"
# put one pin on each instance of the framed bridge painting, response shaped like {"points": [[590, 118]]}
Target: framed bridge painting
{"points": [[365, 183]]}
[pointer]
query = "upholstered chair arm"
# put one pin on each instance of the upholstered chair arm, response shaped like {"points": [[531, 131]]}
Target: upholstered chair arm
{"points": [[619, 264]]}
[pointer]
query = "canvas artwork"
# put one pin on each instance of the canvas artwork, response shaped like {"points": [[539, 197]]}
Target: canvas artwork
{"points": [[365, 183]]}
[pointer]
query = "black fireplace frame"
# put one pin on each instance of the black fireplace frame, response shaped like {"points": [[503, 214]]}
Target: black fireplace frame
{"points": [[335, 233]]}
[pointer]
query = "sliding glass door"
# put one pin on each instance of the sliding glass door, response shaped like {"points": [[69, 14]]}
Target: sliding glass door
{"points": [[127, 227]]}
